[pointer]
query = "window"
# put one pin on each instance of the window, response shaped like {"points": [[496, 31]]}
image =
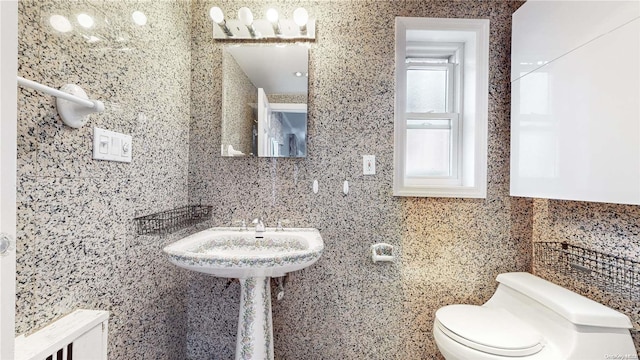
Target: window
{"points": [[441, 107]]}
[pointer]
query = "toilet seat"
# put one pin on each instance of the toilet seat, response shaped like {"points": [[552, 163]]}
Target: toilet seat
{"points": [[490, 330]]}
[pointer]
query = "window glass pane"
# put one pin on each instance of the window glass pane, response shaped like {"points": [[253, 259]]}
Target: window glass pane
{"points": [[427, 90], [428, 152]]}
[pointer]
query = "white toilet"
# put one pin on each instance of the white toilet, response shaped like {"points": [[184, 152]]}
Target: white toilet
{"points": [[530, 318]]}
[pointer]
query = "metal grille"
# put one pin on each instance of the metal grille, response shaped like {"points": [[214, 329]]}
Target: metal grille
{"points": [[612, 274], [169, 221]]}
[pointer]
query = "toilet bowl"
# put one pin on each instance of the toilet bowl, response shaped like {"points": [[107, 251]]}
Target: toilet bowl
{"points": [[529, 318]]}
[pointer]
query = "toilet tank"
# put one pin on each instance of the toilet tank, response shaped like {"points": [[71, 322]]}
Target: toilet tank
{"points": [[575, 308], [575, 326]]}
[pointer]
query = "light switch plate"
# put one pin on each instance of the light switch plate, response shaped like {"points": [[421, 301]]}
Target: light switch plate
{"points": [[368, 164], [111, 146]]}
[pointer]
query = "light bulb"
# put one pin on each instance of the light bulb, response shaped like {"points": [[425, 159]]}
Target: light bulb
{"points": [[85, 20], [60, 23], [245, 15], [300, 17], [216, 15], [139, 18], [272, 15]]}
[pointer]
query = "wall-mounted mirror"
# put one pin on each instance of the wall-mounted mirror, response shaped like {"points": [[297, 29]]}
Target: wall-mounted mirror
{"points": [[264, 101]]}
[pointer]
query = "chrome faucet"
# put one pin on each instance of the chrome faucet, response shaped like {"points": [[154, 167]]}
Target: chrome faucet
{"points": [[259, 226], [279, 227]]}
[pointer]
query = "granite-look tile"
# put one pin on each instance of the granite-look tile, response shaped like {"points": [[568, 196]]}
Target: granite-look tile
{"points": [[113, 25], [149, 311], [160, 144], [29, 111], [204, 312], [76, 254], [154, 194], [375, 304], [167, 21], [27, 255], [76, 214], [33, 106], [82, 207]]}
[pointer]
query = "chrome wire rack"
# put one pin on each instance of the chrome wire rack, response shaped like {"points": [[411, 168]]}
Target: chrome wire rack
{"points": [[616, 275], [169, 221]]}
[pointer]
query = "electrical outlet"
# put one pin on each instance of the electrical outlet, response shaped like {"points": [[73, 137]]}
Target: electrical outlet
{"points": [[368, 164]]}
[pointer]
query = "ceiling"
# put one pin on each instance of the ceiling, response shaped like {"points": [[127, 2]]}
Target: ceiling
{"points": [[272, 67]]}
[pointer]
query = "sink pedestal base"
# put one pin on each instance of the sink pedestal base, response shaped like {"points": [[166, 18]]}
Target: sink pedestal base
{"points": [[255, 330]]}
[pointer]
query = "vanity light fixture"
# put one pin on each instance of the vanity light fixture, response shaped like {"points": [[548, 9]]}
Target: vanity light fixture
{"points": [[297, 74], [60, 23], [139, 18], [272, 17], [246, 17], [218, 17], [301, 17], [85, 20], [272, 26]]}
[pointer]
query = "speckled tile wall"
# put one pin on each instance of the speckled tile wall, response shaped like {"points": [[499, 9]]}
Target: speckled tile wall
{"points": [[76, 240], [449, 250], [162, 83]]}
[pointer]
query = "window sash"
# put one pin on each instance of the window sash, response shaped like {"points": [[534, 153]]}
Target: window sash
{"points": [[455, 178], [454, 148], [450, 68]]}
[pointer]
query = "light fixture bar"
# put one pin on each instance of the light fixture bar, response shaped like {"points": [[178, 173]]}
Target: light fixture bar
{"points": [[272, 26]]}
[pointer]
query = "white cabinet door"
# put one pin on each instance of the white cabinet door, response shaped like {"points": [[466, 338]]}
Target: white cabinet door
{"points": [[576, 123], [546, 30], [8, 114]]}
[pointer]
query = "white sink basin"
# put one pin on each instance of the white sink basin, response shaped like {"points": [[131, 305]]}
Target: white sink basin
{"points": [[234, 253]]}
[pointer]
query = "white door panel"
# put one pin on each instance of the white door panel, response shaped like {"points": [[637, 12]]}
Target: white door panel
{"points": [[8, 114], [264, 124]]}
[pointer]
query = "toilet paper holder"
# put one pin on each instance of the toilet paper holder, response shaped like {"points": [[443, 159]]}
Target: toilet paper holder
{"points": [[382, 252]]}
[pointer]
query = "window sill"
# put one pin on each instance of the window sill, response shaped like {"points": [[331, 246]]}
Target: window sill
{"points": [[476, 192]]}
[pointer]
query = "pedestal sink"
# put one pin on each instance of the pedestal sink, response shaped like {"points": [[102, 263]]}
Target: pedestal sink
{"points": [[253, 258]]}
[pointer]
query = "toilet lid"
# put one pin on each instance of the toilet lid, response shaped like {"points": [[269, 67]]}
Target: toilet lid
{"points": [[495, 331]]}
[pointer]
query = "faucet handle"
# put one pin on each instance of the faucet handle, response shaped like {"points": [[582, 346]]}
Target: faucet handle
{"points": [[243, 224], [259, 224], [279, 227]]}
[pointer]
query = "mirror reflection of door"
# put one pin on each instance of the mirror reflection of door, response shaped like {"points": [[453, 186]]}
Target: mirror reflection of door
{"points": [[265, 133], [292, 120], [253, 77]]}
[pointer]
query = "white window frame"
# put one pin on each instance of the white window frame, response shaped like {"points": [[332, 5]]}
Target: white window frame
{"points": [[469, 174], [450, 52]]}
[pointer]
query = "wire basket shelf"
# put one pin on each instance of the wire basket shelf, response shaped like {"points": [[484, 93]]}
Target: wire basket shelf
{"points": [[169, 221], [612, 274]]}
